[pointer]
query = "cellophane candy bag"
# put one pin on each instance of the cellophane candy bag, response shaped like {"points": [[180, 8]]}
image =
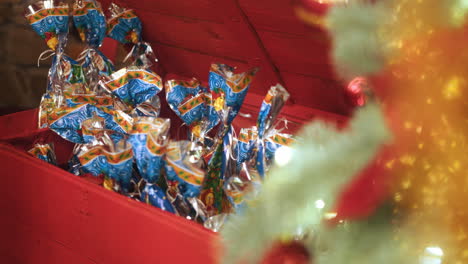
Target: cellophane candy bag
{"points": [[44, 152], [125, 27], [271, 107], [192, 103], [133, 85], [149, 138], [185, 175], [68, 119], [228, 93], [119, 157], [49, 18], [91, 24], [103, 153]]}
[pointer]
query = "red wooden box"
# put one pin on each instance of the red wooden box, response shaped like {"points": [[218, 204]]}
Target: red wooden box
{"points": [[51, 216]]}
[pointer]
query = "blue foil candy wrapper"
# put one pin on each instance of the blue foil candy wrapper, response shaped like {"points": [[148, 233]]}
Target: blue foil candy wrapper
{"points": [[154, 195], [148, 138], [276, 141], [120, 164], [229, 89], [44, 152], [92, 160], [90, 22], [269, 111], [134, 85], [193, 104], [245, 144], [68, 120], [183, 166], [124, 26], [49, 21]]}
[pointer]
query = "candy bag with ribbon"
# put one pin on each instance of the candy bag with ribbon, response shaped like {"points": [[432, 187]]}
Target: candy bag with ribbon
{"points": [[228, 93], [250, 151], [271, 107], [193, 104], [149, 137], [133, 85], [91, 24], [49, 19], [44, 152], [119, 157], [185, 175], [67, 120], [125, 27], [104, 154]]}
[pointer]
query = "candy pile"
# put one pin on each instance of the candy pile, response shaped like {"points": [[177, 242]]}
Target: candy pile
{"points": [[112, 116]]}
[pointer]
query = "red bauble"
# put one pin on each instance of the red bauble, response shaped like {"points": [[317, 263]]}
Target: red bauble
{"points": [[293, 252]]}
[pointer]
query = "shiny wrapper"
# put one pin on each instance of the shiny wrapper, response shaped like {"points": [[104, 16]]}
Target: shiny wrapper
{"points": [[229, 89], [245, 144], [119, 159], [184, 166], [64, 74], [193, 104], [67, 120], [49, 19], [134, 85], [228, 93], [44, 152], [123, 26], [154, 195], [92, 159], [271, 107], [149, 139], [91, 24]]}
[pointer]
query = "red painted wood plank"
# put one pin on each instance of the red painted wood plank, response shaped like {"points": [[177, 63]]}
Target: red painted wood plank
{"points": [[316, 93], [299, 54], [85, 218], [224, 39]]}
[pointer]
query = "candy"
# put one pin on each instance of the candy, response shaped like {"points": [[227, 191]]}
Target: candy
{"points": [[228, 93], [193, 104], [119, 159], [123, 26], [91, 24], [49, 20], [44, 152], [149, 139], [90, 21], [133, 85], [184, 167]]}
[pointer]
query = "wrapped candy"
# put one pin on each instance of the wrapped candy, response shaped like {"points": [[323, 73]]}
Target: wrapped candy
{"points": [[254, 148], [67, 120], [44, 152], [104, 154], [91, 24], [149, 138], [90, 154], [133, 85], [271, 107], [119, 158], [228, 93], [125, 27], [184, 167], [185, 176], [49, 19]]}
